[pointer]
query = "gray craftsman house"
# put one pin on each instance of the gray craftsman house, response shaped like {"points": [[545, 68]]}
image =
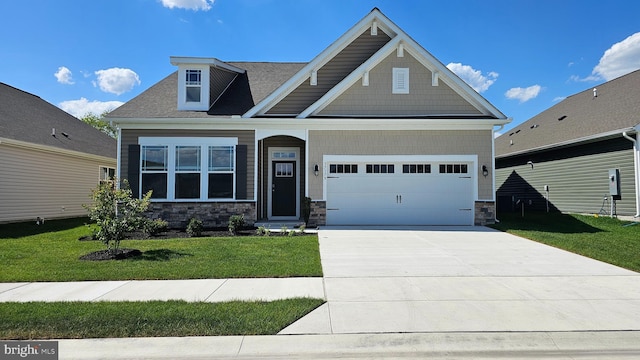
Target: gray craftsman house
{"points": [[49, 160], [373, 130], [580, 155]]}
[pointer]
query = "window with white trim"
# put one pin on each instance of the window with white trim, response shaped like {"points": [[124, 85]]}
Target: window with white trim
{"points": [[188, 168], [193, 82], [400, 81], [107, 173]]}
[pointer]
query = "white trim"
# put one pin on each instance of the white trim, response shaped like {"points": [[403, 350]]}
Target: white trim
{"points": [[205, 88], [265, 133], [119, 157], [271, 150], [188, 61], [345, 123]]}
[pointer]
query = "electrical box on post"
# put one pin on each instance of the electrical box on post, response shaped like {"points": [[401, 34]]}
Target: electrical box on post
{"points": [[614, 184]]}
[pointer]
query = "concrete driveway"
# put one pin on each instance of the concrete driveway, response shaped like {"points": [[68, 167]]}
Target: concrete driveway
{"points": [[463, 279]]}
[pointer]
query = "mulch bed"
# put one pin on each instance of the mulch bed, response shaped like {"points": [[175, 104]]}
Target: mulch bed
{"points": [[119, 254]]}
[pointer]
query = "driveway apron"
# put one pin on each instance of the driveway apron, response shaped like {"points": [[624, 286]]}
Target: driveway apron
{"points": [[463, 279]]}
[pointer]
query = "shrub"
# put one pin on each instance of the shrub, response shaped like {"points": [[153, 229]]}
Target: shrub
{"points": [[194, 229], [154, 227], [262, 231], [116, 212], [236, 223], [284, 230]]}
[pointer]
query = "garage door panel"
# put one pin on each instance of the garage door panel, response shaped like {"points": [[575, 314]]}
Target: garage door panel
{"points": [[400, 199]]}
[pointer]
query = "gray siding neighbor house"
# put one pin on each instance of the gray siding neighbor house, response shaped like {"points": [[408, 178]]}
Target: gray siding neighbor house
{"points": [[50, 160], [373, 130], [562, 157]]}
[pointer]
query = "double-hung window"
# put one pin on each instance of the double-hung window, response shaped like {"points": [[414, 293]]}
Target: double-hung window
{"points": [[188, 168], [155, 170], [193, 85]]}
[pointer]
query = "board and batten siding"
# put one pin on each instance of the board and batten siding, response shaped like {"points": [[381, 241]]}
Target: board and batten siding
{"points": [[577, 184], [422, 142], [378, 99], [332, 73], [38, 183], [245, 137]]}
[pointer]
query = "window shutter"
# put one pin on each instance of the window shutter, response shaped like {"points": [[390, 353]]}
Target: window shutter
{"points": [[133, 170], [241, 172]]}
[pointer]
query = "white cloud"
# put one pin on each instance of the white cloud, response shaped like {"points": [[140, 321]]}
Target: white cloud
{"points": [[64, 76], [473, 77], [79, 108], [116, 80], [621, 58], [195, 5], [523, 94], [559, 98]]}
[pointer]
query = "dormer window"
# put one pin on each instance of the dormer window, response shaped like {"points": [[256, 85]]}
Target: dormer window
{"points": [[193, 84]]}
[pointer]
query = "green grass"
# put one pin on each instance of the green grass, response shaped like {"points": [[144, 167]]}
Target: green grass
{"points": [[64, 320], [51, 252], [600, 238]]}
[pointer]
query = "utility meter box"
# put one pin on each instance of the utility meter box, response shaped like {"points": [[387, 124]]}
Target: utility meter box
{"points": [[614, 184]]}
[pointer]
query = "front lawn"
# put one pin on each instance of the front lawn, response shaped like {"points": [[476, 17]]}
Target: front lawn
{"points": [[51, 252], [601, 238], [76, 320]]}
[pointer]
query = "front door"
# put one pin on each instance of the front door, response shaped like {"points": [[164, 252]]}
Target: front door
{"points": [[283, 188]]}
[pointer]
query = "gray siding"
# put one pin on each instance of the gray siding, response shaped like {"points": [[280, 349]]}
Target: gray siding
{"points": [[378, 99], [38, 183], [244, 138], [577, 179], [361, 49]]}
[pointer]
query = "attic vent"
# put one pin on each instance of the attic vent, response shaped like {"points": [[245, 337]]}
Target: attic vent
{"points": [[595, 92], [562, 117], [534, 126], [517, 131], [511, 134]]}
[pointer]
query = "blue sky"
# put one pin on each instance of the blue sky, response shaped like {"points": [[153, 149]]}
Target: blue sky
{"points": [[523, 56]]}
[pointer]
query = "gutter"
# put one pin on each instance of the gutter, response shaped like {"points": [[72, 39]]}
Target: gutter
{"points": [[636, 168]]}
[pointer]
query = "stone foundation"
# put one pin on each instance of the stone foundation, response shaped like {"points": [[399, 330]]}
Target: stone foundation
{"points": [[318, 214], [214, 214], [485, 213]]}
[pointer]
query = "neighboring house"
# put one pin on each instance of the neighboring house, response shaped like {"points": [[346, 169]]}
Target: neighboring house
{"points": [[49, 160], [374, 130], [571, 149]]}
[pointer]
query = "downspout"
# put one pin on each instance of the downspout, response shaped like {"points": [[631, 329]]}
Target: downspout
{"points": [[636, 168]]}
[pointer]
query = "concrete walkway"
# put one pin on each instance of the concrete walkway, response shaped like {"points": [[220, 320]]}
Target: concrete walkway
{"points": [[208, 290]]}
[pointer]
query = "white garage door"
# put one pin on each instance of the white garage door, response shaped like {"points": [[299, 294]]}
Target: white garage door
{"points": [[399, 193]]}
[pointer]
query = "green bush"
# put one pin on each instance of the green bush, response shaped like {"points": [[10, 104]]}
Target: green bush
{"points": [[262, 231], [236, 223], [195, 227], [116, 212], [154, 227]]}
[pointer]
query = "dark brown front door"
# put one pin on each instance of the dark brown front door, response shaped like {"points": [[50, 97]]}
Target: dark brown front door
{"points": [[283, 199]]}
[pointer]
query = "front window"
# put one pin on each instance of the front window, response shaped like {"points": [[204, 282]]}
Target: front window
{"points": [[154, 171], [188, 168], [193, 85]]}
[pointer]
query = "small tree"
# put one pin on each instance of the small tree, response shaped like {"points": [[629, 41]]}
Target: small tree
{"points": [[98, 122], [116, 212]]}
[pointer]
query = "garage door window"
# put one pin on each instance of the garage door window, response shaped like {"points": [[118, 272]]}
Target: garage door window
{"points": [[416, 168], [343, 169], [453, 169], [380, 169]]}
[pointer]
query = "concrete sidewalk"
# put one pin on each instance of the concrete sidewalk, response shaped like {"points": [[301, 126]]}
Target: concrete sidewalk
{"points": [[207, 290]]}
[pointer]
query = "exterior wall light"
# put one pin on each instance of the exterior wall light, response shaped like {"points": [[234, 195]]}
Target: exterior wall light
{"points": [[485, 171], [316, 170]]}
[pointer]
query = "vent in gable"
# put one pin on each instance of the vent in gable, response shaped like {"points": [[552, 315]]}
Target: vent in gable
{"points": [[400, 81]]}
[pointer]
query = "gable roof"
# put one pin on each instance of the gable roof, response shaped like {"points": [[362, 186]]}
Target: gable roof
{"points": [[257, 81], [28, 118], [375, 21], [578, 118]]}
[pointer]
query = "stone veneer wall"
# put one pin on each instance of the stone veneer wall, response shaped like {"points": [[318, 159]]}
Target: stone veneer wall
{"points": [[318, 215], [214, 214], [485, 213]]}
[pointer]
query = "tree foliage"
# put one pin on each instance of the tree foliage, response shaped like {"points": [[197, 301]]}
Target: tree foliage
{"points": [[98, 122], [116, 212]]}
